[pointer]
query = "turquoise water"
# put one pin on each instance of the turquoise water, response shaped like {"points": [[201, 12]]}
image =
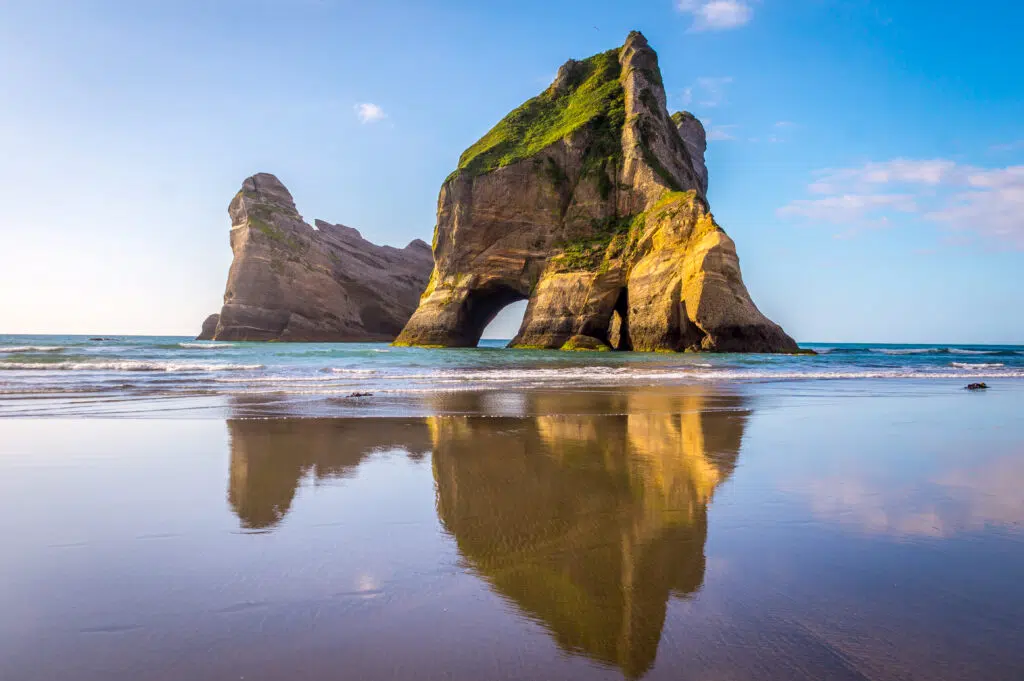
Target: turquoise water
{"points": [[48, 369]]}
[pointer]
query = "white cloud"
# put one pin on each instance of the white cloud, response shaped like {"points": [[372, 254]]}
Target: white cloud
{"points": [[720, 133], [848, 207], [369, 113], [707, 91], [988, 202], [716, 15], [785, 124]]}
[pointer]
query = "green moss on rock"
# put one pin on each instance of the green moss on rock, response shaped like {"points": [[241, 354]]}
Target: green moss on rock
{"points": [[275, 234], [580, 343], [593, 97]]}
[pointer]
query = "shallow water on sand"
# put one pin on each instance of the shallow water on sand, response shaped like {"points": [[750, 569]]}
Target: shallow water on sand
{"points": [[745, 532]]}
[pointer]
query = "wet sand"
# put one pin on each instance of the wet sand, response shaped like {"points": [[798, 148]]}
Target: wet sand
{"points": [[799, 531]]}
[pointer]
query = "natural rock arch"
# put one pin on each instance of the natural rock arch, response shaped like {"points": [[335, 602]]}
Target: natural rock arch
{"points": [[589, 189], [479, 307]]}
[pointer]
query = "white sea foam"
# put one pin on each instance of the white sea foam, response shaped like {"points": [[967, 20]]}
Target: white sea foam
{"points": [[962, 351], [977, 365], [450, 379], [282, 379], [905, 351], [206, 346], [125, 365], [31, 348]]}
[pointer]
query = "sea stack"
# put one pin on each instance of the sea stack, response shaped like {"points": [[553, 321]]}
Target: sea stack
{"points": [[290, 281], [589, 201]]}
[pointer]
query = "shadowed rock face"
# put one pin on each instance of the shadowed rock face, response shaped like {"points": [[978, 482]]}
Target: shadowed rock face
{"points": [[587, 202], [209, 327], [291, 282], [691, 131]]}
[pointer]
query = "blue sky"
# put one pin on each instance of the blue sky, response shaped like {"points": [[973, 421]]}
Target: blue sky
{"points": [[867, 157]]}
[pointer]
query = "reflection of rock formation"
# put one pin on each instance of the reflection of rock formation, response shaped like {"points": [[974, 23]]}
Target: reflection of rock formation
{"points": [[270, 457], [589, 522], [586, 522]]}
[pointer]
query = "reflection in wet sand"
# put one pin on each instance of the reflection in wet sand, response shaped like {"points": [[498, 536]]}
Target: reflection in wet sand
{"points": [[587, 523], [957, 501], [269, 458]]}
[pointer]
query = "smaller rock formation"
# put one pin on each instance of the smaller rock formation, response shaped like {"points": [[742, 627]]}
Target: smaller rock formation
{"points": [[209, 328], [692, 132], [977, 386], [290, 281]]}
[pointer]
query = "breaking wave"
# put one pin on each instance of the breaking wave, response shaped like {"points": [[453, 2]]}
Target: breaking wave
{"points": [[977, 365], [125, 365], [30, 348], [206, 346]]}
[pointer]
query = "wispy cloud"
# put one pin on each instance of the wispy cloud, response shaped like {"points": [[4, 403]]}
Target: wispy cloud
{"points": [[785, 124], [849, 207], [716, 15], [687, 97], [369, 113], [707, 92], [986, 202], [720, 133], [1009, 146]]}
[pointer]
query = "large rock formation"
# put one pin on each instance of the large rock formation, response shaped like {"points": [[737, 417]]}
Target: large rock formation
{"points": [[292, 282], [587, 202]]}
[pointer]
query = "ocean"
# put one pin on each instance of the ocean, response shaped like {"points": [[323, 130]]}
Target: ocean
{"points": [[53, 375]]}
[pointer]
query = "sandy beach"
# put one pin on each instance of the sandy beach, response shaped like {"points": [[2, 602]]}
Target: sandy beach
{"points": [[809, 530]]}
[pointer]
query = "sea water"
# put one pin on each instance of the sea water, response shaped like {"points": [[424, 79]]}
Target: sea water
{"points": [[48, 375]]}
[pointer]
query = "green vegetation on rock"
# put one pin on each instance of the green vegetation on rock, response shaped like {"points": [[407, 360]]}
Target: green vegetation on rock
{"points": [[585, 344], [275, 234], [679, 116], [592, 96], [606, 240]]}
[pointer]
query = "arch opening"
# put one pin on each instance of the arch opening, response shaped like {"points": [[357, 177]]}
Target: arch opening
{"points": [[506, 323], [618, 326], [482, 306]]}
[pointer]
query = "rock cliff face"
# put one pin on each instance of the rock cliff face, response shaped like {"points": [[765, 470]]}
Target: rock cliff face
{"points": [[293, 282], [589, 202], [209, 327]]}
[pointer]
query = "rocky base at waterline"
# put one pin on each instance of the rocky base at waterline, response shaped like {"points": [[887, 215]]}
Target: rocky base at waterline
{"points": [[209, 328], [290, 281], [589, 201]]}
